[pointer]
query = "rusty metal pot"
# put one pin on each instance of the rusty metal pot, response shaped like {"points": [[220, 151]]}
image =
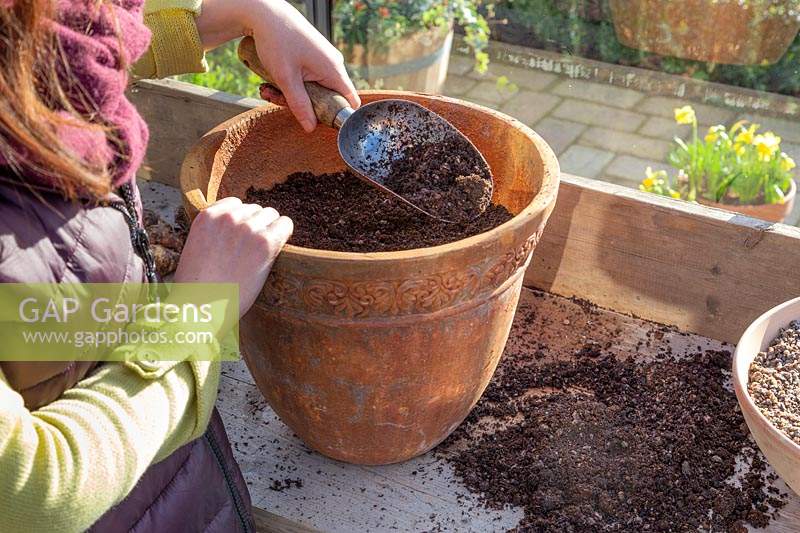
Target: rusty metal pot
{"points": [[730, 32], [375, 358]]}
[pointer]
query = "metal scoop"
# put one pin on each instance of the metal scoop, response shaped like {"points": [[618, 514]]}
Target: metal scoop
{"points": [[374, 137]]}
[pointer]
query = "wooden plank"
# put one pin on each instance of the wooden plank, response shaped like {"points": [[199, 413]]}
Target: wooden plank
{"points": [[423, 493], [267, 522], [178, 114], [704, 270]]}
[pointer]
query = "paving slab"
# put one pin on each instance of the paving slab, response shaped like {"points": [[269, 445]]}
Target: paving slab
{"points": [[664, 128], [529, 106], [584, 160], [559, 133], [598, 92], [792, 150], [789, 130], [594, 114], [620, 142], [488, 91], [456, 85], [522, 77], [630, 170], [460, 65], [706, 114]]}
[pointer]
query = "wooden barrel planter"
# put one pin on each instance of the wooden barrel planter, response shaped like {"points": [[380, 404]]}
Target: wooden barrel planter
{"points": [[704, 30], [416, 62]]}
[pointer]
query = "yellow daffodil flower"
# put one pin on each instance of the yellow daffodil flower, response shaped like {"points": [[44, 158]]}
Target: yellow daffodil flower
{"points": [[685, 115], [766, 145], [740, 149], [675, 194], [787, 163], [715, 132], [746, 136]]}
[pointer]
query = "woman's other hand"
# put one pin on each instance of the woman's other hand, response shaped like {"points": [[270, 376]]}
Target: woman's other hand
{"points": [[290, 48], [233, 242]]}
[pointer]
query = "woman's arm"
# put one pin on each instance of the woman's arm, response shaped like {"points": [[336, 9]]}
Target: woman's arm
{"points": [[175, 46], [64, 465], [291, 49]]}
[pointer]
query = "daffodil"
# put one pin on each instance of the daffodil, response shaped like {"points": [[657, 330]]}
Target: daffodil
{"points": [[653, 178], [787, 163], [747, 135], [685, 115], [766, 145], [740, 149], [715, 132], [674, 194]]}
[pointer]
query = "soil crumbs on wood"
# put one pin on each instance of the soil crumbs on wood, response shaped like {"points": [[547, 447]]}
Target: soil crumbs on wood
{"points": [[586, 431], [340, 212], [774, 381], [445, 179]]}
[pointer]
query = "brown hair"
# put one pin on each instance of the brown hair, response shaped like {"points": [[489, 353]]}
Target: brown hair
{"points": [[34, 102]]}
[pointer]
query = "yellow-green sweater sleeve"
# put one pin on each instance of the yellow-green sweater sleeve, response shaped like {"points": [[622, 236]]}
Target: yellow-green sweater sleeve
{"points": [[175, 47], [64, 465]]}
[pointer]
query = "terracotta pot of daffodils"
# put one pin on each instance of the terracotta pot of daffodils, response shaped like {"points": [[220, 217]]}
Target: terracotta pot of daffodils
{"points": [[738, 169], [739, 32]]}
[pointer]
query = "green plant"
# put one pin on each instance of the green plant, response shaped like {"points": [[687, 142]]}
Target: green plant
{"points": [[380, 23], [731, 165]]}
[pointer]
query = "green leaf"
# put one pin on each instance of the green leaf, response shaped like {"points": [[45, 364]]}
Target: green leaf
{"points": [[719, 194]]}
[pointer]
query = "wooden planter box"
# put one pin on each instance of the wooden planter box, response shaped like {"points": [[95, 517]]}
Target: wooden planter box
{"points": [[706, 271]]}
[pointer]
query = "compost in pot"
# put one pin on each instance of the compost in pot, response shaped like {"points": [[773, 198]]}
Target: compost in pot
{"points": [[340, 212]]}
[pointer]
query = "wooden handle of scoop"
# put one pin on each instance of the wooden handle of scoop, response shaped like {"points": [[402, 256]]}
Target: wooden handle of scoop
{"points": [[327, 103]]}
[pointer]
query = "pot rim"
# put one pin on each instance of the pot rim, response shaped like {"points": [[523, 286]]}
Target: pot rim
{"points": [[541, 201], [741, 373]]}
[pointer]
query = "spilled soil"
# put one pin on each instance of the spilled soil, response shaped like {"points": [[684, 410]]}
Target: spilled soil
{"points": [[587, 431], [446, 179], [340, 212]]}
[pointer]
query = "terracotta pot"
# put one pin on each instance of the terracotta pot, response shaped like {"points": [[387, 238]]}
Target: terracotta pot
{"points": [[781, 452], [768, 212], [416, 62], [704, 30], [375, 358]]}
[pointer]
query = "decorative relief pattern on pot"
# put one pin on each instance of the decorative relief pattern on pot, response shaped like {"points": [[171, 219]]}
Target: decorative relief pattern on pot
{"points": [[361, 299], [510, 262]]}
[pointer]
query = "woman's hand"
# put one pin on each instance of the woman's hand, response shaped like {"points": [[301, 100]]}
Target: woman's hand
{"points": [[232, 242], [290, 48]]}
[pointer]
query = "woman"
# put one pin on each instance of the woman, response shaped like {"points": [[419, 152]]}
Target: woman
{"points": [[123, 446]]}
